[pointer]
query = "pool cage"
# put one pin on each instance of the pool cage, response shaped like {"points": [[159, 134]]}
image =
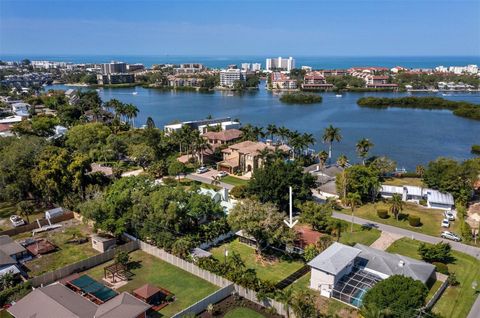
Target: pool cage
{"points": [[352, 287]]}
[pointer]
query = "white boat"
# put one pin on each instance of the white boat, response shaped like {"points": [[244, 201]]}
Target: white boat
{"points": [[338, 95], [134, 93]]}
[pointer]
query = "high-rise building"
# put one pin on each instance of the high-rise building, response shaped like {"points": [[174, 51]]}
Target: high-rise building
{"points": [[280, 64], [113, 67], [256, 67], [229, 76], [246, 66]]}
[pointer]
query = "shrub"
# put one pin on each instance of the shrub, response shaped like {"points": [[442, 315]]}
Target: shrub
{"points": [[382, 213], [452, 279], [423, 202], [239, 192], [476, 149], [300, 98], [414, 220], [441, 267], [14, 293], [440, 252]]}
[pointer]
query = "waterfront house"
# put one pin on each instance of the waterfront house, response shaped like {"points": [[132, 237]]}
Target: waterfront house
{"points": [[282, 81], [224, 137], [433, 198], [346, 273], [245, 157], [203, 125], [315, 81], [221, 197]]}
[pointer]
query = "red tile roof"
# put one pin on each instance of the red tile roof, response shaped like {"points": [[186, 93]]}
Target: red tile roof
{"points": [[224, 135]]}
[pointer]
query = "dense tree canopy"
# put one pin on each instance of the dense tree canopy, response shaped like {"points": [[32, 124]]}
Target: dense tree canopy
{"points": [[270, 183], [399, 296], [363, 180]]}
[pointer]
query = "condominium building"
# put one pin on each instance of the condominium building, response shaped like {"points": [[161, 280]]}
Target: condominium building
{"points": [[118, 78], [251, 67], [281, 81], [113, 67], [203, 125], [229, 76], [189, 68], [283, 64], [315, 81]]}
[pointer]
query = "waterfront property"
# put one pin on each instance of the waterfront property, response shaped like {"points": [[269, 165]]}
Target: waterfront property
{"points": [[224, 137], [347, 273], [315, 81], [221, 197], [434, 199], [245, 157], [229, 76], [280, 80], [285, 64], [203, 125]]}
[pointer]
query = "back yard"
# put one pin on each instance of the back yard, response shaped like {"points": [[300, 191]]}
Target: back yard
{"points": [[186, 287], [457, 300]]}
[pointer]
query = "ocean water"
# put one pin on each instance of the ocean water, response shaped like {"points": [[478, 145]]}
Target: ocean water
{"points": [[318, 62], [409, 136]]}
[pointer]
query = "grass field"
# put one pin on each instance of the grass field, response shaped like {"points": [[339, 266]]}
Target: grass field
{"points": [[243, 313], [234, 180], [359, 235], [430, 218], [456, 301], [186, 287], [66, 253], [418, 182], [272, 271], [7, 209]]}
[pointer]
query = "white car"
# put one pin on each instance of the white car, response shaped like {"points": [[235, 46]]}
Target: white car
{"points": [[202, 170], [445, 223], [17, 221], [449, 215], [222, 174], [450, 236]]}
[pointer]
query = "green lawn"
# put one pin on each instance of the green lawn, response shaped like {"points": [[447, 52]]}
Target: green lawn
{"points": [[430, 218], [456, 301], [234, 180], [7, 209], [186, 287], [5, 314], [273, 271], [418, 182], [359, 235], [66, 253], [243, 313]]}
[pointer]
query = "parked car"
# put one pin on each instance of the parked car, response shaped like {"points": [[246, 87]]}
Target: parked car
{"points": [[450, 236], [222, 174], [17, 221], [449, 215], [202, 170], [445, 223]]}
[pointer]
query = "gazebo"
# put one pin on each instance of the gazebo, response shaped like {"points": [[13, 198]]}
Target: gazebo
{"points": [[115, 270], [152, 295]]}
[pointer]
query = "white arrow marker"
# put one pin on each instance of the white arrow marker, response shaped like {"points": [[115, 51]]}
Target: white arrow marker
{"points": [[290, 223]]}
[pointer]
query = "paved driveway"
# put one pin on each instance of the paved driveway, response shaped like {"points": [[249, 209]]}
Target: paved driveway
{"points": [[207, 178]]}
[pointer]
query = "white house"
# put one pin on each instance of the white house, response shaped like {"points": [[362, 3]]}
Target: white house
{"points": [[347, 273], [438, 200], [220, 197], [434, 198]]}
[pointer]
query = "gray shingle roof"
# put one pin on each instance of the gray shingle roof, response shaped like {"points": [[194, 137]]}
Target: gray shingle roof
{"points": [[335, 258], [9, 246], [122, 306], [394, 264]]}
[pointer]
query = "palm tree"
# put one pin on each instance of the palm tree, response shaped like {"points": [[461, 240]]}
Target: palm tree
{"points": [[322, 158], [283, 132], [396, 205], [330, 135], [131, 111], [272, 130], [336, 227], [216, 180], [303, 304], [352, 200], [342, 161], [285, 297], [201, 144], [363, 147]]}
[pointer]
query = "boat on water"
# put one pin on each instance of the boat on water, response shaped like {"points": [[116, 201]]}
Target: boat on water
{"points": [[338, 95], [134, 93]]}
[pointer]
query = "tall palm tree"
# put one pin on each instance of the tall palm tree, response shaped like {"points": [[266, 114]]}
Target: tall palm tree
{"points": [[336, 227], [285, 297], [396, 205], [283, 132], [201, 145], [330, 135], [353, 200], [131, 111], [216, 180], [363, 147], [342, 161], [322, 158], [272, 130]]}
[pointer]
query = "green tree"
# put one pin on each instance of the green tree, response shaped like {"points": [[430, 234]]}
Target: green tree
{"points": [[396, 205], [318, 215], [330, 135], [336, 227], [182, 247], [87, 138], [342, 162], [361, 179], [363, 147], [440, 252], [322, 158], [176, 168], [353, 200], [142, 154], [310, 252], [303, 304], [401, 296], [270, 183], [262, 221], [122, 258], [25, 209]]}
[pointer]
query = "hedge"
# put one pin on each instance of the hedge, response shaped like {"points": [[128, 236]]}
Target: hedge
{"points": [[383, 214], [414, 220], [14, 293]]}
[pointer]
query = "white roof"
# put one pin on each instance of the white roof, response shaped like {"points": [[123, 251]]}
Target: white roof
{"points": [[436, 196], [413, 190], [11, 120], [335, 258], [12, 269], [391, 189]]}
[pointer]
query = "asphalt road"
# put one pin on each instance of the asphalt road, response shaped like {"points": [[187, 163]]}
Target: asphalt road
{"points": [[467, 249]]}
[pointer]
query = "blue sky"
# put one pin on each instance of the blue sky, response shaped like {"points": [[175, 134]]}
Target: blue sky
{"points": [[203, 27]]}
